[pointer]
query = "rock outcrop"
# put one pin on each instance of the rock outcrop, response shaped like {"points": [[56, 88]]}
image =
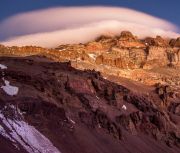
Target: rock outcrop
{"points": [[123, 58], [123, 51], [158, 41], [175, 42]]}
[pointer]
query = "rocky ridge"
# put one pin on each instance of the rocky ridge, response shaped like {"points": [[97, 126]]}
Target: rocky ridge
{"points": [[149, 61]]}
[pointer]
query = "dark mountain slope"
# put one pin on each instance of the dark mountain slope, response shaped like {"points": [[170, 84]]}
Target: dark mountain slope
{"points": [[73, 111]]}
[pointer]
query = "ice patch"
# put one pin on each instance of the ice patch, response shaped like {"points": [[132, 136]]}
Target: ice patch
{"points": [[124, 107], [93, 56], [19, 132], [10, 90], [4, 133], [3, 66], [62, 49], [97, 97], [105, 78], [72, 121]]}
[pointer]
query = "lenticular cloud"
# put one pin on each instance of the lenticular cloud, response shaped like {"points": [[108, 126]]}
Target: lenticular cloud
{"points": [[66, 25]]}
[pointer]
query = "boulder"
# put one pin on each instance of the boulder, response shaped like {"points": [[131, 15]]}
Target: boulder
{"points": [[175, 42], [158, 41]]}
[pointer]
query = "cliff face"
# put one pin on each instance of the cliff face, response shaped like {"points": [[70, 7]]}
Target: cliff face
{"points": [[149, 61], [124, 51], [133, 53], [60, 109], [123, 58], [175, 42]]}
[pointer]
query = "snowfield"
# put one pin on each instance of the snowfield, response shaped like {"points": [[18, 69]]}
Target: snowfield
{"points": [[25, 135], [8, 89], [124, 107], [93, 56], [3, 66]]}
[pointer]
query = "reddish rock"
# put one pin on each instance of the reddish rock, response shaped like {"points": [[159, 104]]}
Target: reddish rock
{"points": [[158, 41], [175, 42]]}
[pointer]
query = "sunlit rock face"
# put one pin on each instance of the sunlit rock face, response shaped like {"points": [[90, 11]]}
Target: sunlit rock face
{"points": [[123, 58], [158, 41], [125, 51], [175, 42], [149, 60]]}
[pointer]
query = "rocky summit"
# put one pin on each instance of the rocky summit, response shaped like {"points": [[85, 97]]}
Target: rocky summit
{"points": [[110, 95]]}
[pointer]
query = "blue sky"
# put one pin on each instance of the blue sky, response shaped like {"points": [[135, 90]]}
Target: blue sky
{"points": [[166, 9]]}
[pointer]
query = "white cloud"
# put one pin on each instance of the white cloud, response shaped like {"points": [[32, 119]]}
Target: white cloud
{"points": [[55, 26]]}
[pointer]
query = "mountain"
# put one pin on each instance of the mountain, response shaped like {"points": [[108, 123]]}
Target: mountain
{"points": [[111, 95]]}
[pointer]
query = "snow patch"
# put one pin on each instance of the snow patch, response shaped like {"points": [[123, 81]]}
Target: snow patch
{"points": [[105, 78], [124, 107], [72, 121], [3, 133], [93, 56], [19, 132], [62, 49], [3, 66], [10, 90], [97, 97]]}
